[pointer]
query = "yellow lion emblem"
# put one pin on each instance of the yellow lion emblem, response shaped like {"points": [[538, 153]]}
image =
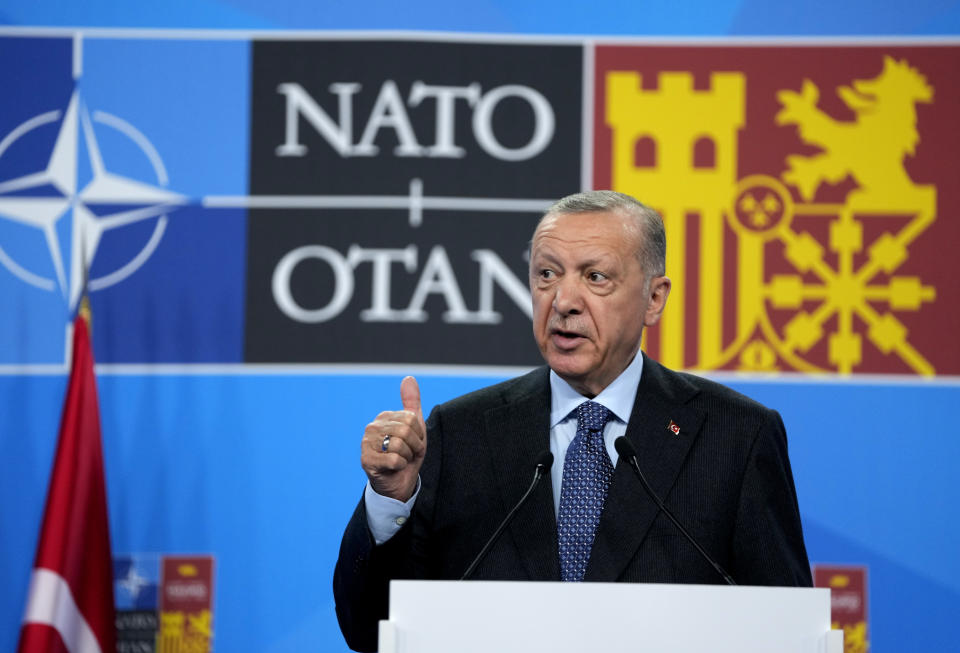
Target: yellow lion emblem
{"points": [[871, 148]]}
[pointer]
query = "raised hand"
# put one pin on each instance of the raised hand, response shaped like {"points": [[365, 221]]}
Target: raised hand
{"points": [[394, 445]]}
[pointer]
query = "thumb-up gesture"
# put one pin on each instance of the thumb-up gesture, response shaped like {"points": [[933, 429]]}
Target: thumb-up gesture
{"points": [[394, 445]]}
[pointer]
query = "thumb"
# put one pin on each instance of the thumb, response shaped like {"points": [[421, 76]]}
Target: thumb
{"points": [[410, 396]]}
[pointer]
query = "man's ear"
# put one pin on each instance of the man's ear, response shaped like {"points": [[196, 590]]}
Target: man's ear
{"points": [[656, 300]]}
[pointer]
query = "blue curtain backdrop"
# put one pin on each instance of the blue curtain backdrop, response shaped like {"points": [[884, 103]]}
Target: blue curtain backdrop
{"points": [[259, 466]]}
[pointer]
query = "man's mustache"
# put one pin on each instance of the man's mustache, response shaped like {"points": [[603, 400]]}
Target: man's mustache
{"points": [[575, 326]]}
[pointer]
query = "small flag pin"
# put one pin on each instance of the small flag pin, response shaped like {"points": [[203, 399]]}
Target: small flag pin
{"points": [[673, 427]]}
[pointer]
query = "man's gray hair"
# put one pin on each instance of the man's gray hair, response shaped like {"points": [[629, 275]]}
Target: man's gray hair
{"points": [[652, 240]]}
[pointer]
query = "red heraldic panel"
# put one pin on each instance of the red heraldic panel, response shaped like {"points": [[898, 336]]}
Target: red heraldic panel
{"points": [[808, 194]]}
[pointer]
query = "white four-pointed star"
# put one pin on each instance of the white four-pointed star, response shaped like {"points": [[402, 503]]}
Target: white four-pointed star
{"points": [[133, 582], [105, 188]]}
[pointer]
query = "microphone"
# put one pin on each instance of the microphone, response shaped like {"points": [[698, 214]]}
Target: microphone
{"points": [[544, 461], [626, 451]]}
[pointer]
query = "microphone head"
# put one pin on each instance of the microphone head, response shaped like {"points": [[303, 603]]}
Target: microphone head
{"points": [[624, 448], [545, 459]]}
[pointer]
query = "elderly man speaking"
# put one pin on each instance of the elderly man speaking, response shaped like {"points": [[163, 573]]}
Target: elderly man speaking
{"points": [[438, 489]]}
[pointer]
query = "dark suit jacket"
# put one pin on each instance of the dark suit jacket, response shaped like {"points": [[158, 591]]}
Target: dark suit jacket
{"points": [[725, 475]]}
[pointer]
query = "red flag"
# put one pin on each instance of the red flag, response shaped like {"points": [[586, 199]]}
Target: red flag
{"points": [[70, 602]]}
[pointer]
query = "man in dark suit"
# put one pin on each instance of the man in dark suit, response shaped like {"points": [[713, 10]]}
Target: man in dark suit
{"points": [[438, 490]]}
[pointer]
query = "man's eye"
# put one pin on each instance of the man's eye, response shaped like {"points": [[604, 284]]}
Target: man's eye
{"points": [[546, 274], [597, 277]]}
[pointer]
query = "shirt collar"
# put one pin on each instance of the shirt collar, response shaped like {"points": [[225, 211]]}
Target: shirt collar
{"points": [[618, 397]]}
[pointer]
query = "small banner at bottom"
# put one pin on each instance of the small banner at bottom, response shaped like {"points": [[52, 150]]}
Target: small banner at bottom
{"points": [[164, 603], [848, 603]]}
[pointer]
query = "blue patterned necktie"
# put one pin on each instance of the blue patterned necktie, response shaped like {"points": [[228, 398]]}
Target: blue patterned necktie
{"points": [[586, 478]]}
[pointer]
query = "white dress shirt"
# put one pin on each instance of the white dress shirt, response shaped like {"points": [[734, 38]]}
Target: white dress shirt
{"points": [[385, 516]]}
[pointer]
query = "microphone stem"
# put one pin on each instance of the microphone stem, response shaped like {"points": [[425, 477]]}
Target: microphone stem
{"points": [[537, 475], [656, 499]]}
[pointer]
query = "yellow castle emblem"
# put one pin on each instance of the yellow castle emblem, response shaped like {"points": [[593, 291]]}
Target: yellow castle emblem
{"points": [[677, 148]]}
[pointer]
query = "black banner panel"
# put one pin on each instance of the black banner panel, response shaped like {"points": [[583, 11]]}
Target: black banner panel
{"points": [[395, 186]]}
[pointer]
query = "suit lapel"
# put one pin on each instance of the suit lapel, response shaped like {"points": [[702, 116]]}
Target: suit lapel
{"points": [[517, 432], [629, 512]]}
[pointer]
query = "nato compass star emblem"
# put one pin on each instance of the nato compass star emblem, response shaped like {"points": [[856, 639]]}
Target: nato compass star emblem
{"points": [[133, 583], [83, 192]]}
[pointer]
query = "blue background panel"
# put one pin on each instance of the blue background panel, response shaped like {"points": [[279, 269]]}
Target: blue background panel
{"points": [[263, 473], [723, 17], [195, 313], [192, 109], [192, 112], [38, 70], [38, 336], [257, 470]]}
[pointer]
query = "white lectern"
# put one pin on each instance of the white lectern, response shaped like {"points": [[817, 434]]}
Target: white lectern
{"points": [[501, 617]]}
